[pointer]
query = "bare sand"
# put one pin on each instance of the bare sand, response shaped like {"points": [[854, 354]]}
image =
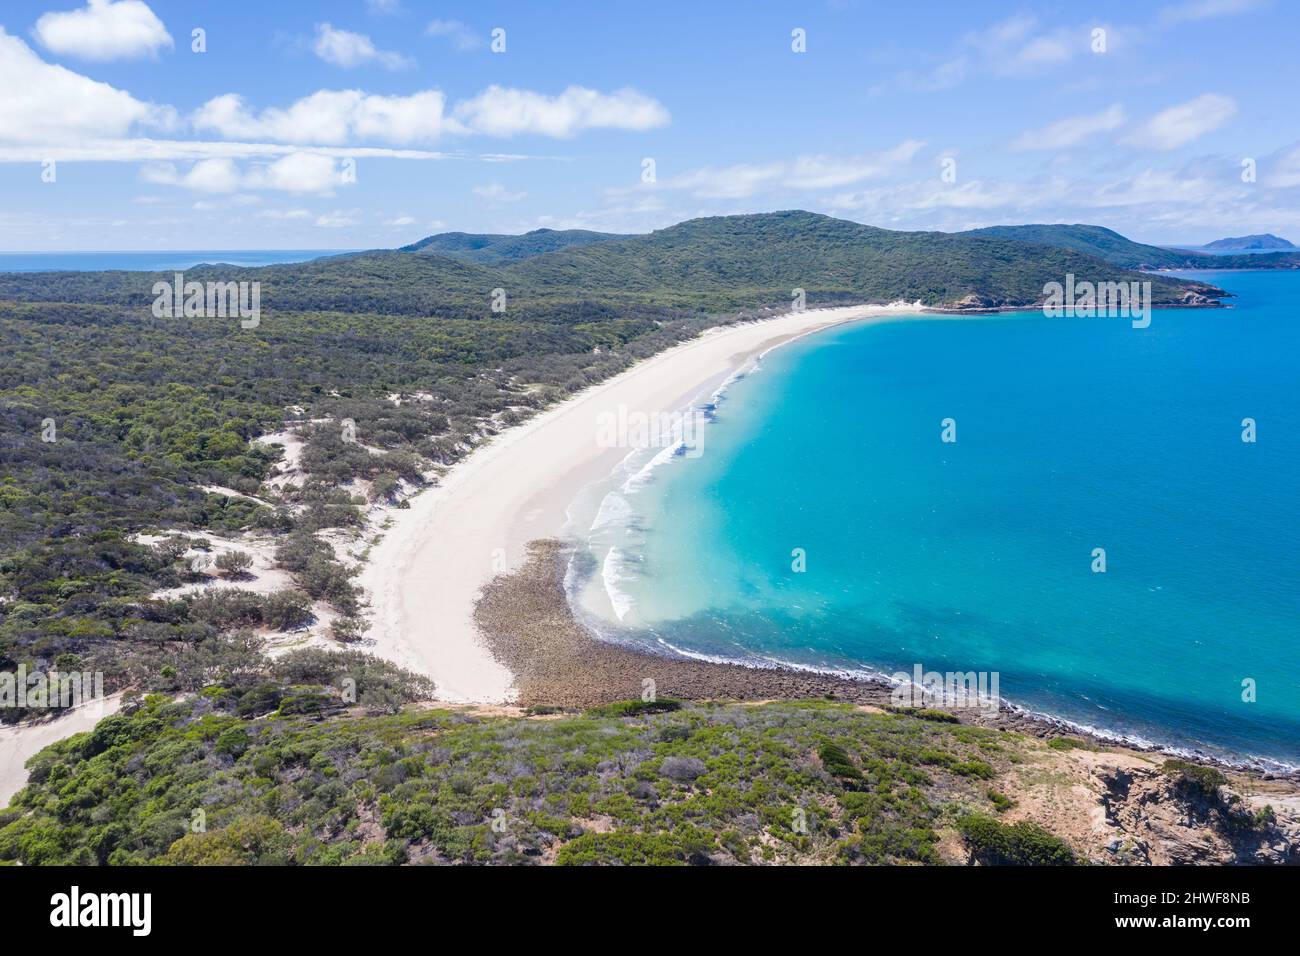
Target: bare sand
{"points": [[20, 743], [426, 574]]}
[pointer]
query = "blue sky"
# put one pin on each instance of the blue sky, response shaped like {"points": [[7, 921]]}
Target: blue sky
{"points": [[365, 123]]}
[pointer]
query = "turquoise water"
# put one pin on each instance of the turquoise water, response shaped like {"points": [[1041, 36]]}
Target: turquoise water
{"points": [[1072, 434], [152, 261]]}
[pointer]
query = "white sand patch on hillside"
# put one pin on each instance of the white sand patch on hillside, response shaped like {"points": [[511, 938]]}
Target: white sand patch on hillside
{"points": [[289, 470], [20, 743]]}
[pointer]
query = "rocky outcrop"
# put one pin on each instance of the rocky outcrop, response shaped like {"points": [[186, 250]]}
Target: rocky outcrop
{"points": [[1153, 821]]}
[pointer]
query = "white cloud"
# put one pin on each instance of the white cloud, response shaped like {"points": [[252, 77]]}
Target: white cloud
{"points": [[1183, 123], [384, 7], [329, 117], [457, 32], [1071, 131], [931, 194], [1016, 46], [828, 172], [1282, 169], [804, 172], [296, 173], [44, 103], [104, 30], [501, 111], [732, 182], [496, 193], [338, 219], [208, 175], [347, 49], [1205, 10], [278, 215], [398, 221]]}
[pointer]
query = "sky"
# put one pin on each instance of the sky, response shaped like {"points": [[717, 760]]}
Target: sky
{"points": [[345, 124]]}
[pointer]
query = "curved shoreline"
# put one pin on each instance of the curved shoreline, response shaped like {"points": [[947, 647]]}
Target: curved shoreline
{"points": [[424, 576], [531, 628]]}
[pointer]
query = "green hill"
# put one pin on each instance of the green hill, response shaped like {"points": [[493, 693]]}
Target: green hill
{"points": [[1110, 246], [716, 265], [745, 260], [491, 248]]}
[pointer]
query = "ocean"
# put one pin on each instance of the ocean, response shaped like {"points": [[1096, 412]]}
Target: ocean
{"points": [[819, 520], [152, 261]]}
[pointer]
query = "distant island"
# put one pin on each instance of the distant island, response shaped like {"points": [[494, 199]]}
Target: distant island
{"points": [[1264, 242]]}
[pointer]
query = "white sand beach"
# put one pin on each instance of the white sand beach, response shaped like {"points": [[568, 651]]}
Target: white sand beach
{"points": [[424, 577]]}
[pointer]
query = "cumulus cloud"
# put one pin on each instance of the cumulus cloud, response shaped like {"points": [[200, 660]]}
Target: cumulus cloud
{"points": [[1071, 131], [207, 175], [347, 49], [44, 102], [502, 111], [295, 173], [1183, 123], [104, 30], [329, 117], [48, 111]]}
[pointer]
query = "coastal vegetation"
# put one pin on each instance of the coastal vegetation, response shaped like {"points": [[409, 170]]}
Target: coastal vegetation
{"points": [[278, 782]]}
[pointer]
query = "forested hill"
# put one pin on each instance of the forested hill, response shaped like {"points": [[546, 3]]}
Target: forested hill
{"points": [[494, 248], [713, 265], [1116, 249]]}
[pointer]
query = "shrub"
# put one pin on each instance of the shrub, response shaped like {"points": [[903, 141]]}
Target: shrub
{"points": [[928, 713], [994, 843], [634, 708], [1001, 802], [682, 769], [234, 563], [1196, 782], [287, 610], [838, 763]]}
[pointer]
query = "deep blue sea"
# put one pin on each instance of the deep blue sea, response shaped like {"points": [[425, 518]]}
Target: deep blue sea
{"points": [[1072, 434], [152, 261]]}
